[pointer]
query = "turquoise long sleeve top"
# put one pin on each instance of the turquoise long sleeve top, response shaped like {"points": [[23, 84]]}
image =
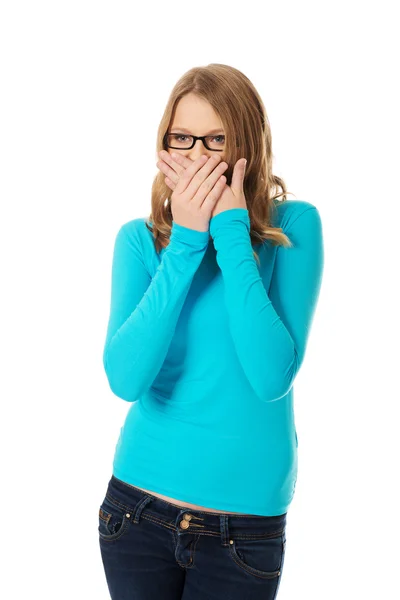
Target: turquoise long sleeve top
{"points": [[205, 343]]}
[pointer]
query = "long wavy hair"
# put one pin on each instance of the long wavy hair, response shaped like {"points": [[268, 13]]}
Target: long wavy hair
{"points": [[247, 135]]}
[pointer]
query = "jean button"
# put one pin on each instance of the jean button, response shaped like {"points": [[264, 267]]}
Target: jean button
{"points": [[184, 524]]}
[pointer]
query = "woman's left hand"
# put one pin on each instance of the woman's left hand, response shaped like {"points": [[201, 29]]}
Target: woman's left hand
{"points": [[232, 196]]}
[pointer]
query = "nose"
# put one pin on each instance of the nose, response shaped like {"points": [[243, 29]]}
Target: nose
{"points": [[198, 150]]}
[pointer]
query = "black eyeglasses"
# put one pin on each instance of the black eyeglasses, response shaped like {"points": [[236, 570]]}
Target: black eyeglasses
{"points": [[181, 141]]}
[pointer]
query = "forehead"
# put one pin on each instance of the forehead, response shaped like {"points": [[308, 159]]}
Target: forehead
{"points": [[195, 115], [178, 128]]}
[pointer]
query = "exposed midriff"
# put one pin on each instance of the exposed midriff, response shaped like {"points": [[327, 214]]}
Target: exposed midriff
{"points": [[183, 504]]}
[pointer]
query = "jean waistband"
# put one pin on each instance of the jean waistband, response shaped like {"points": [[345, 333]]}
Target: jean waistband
{"points": [[187, 520]]}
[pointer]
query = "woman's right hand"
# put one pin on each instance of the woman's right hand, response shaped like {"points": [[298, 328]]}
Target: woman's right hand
{"points": [[197, 191]]}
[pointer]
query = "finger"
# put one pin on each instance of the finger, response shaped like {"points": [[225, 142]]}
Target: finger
{"points": [[174, 177], [175, 159], [167, 170], [214, 194], [238, 175], [173, 164], [188, 176], [170, 183], [182, 160], [204, 182]]}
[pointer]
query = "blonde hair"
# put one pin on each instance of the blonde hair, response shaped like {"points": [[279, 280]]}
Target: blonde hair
{"points": [[247, 135]]}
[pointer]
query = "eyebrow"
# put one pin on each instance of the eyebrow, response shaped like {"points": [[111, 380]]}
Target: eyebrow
{"points": [[187, 130]]}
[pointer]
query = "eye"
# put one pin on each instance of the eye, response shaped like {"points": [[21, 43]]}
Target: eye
{"points": [[178, 137], [221, 139]]}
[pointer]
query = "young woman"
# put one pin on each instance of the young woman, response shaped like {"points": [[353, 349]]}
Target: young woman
{"points": [[212, 302]]}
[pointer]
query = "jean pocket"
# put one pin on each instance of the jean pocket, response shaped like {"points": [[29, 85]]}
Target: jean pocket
{"points": [[259, 557], [113, 520]]}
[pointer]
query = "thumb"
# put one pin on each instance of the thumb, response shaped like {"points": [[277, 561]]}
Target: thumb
{"points": [[238, 174]]}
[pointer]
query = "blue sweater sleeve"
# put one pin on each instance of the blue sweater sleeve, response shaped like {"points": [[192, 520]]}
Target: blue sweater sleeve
{"points": [[144, 310], [270, 332]]}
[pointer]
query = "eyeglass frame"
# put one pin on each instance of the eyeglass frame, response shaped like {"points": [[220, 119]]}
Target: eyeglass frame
{"points": [[195, 138]]}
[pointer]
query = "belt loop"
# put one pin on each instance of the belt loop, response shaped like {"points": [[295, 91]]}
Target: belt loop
{"points": [[223, 519], [139, 507]]}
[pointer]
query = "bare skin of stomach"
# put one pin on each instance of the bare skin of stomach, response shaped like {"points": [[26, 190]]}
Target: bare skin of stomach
{"points": [[183, 504]]}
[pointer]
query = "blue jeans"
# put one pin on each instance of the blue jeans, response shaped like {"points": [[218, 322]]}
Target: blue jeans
{"points": [[154, 550]]}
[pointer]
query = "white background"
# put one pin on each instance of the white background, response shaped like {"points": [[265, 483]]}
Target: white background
{"points": [[83, 86]]}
